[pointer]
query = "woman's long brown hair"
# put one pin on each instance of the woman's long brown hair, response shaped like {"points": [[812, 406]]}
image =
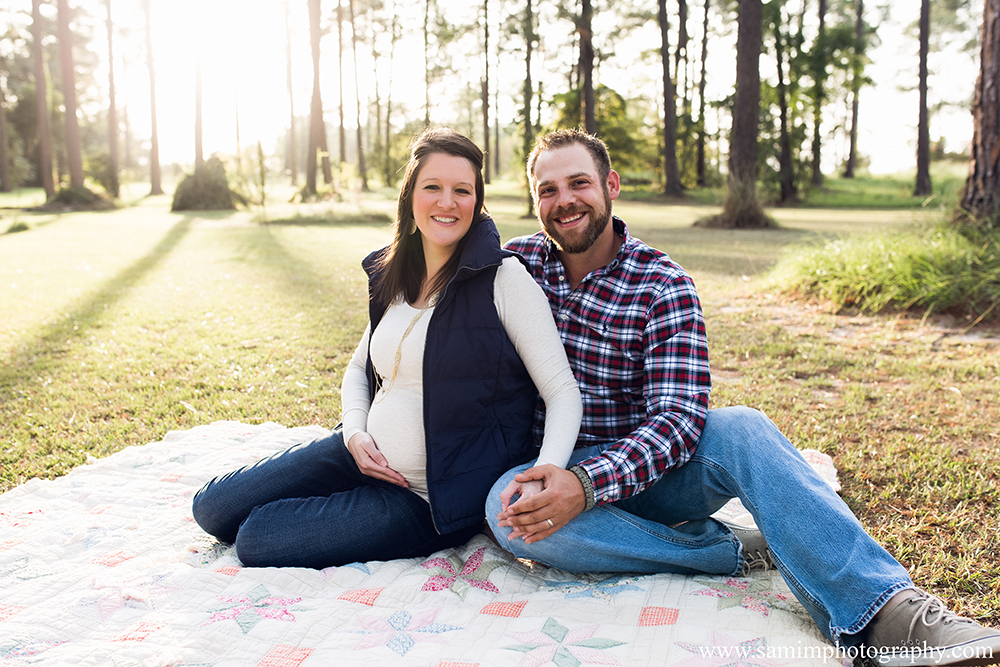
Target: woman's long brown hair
{"points": [[403, 269]]}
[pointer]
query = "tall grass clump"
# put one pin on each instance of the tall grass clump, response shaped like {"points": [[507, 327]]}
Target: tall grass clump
{"points": [[945, 268]]}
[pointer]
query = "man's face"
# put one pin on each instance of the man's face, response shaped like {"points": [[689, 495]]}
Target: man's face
{"points": [[573, 202]]}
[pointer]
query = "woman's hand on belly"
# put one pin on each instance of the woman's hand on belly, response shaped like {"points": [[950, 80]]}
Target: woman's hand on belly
{"points": [[370, 460]]}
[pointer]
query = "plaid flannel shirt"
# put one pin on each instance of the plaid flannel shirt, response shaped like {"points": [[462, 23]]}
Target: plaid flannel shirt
{"points": [[635, 337]]}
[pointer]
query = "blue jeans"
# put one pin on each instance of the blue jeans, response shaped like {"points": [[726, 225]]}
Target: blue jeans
{"points": [[836, 570], [310, 506]]}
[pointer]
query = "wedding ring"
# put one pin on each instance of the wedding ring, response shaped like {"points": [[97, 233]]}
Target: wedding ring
{"points": [[551, 525]]}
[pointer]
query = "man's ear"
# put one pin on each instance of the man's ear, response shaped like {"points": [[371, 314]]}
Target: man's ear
{"points": [[614, 184]]}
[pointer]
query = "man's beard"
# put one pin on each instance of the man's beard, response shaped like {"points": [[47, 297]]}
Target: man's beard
{"points": [[582, 240]]}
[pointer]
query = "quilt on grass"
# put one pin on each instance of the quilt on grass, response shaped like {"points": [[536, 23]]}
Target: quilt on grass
{"points": [[105, 566]]}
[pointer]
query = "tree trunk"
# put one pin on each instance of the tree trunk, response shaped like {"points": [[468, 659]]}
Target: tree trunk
{"points": [[786, 170], [923, 184], [742, 210], [155, 188], [127, 160], [857, 69], [981, 199], [389, 171], [681, 58], [199, 155], [6, 185], [112, 112], [819, 78], [239, 147], [41, 102], [374, 136], [529, 42], [362, 169], [587, 65], [342, 136], [671, 174], [427, 64], [5, 182], [292, 158], [700, 147], [316, 127], [486, 90], [496, 130], [73, 155]]}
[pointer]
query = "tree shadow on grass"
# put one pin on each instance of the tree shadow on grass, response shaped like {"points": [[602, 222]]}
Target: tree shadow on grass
{"points": [[50, 345], [726, 252], [333, 220], [305, 291]]}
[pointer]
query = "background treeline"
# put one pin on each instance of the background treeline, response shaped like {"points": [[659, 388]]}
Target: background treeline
{"points": [[501, 71]]}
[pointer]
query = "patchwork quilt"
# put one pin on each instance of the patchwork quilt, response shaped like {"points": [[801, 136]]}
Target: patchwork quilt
{"points": [[105, 566]]}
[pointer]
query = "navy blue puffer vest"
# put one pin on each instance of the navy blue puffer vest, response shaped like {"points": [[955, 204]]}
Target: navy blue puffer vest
{"points": [[478, 398]]}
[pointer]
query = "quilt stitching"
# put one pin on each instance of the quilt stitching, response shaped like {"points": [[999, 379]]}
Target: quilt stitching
{"points": [[556, 643], [603, 589], [452, 574], [402, 631], [254, 607], [757, 595]]}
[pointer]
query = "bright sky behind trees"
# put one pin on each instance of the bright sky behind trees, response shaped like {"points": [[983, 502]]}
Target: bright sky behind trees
{"points": [[243, 56]]}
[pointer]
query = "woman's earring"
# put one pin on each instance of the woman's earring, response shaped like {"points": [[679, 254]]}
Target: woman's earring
{"points": [[413, 226]]}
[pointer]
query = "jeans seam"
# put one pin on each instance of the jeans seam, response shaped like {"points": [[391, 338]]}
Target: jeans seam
{"points": [[782, 568], [869, 614], [627, 517]]}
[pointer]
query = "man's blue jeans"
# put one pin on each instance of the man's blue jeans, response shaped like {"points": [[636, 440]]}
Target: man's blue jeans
{"points": [[310, 506], [836, 570]]}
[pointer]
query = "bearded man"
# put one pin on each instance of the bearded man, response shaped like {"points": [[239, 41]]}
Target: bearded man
{"points": [[653, 463]]}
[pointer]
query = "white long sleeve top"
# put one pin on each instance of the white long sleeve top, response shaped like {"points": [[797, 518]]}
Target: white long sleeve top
{"points": [[395, 418]]}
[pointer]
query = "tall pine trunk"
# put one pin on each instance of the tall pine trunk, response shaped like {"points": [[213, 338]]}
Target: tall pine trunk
{"points": [[427, 63], [742, 210], [317, 130], [981, 199], [700, 170], [681, 59], [786, 170], [74, 157], [923, 184], [41, 102], [342, 136], [857, 68], [292, 157], [155, 187], [362, 169], [199, 153], [389, 171], [115, 189], [529, 43], [586, 31], [486, 90], [819, 96], [5, 182], [671, 174]]}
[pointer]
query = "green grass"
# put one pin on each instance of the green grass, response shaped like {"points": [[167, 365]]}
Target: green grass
{"points": [[938, 269], [116, 327], [21, 198]]}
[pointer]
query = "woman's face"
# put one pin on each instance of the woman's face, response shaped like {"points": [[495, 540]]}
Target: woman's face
{"points": [[444, 199]]}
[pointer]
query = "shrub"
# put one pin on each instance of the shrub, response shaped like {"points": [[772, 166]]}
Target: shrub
{"points": [[947, 268], [79, 198], [17, 227], [207, 189]]}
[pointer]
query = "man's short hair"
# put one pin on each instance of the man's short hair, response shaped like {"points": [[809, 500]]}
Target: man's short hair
{"points": [[560, 138]]}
